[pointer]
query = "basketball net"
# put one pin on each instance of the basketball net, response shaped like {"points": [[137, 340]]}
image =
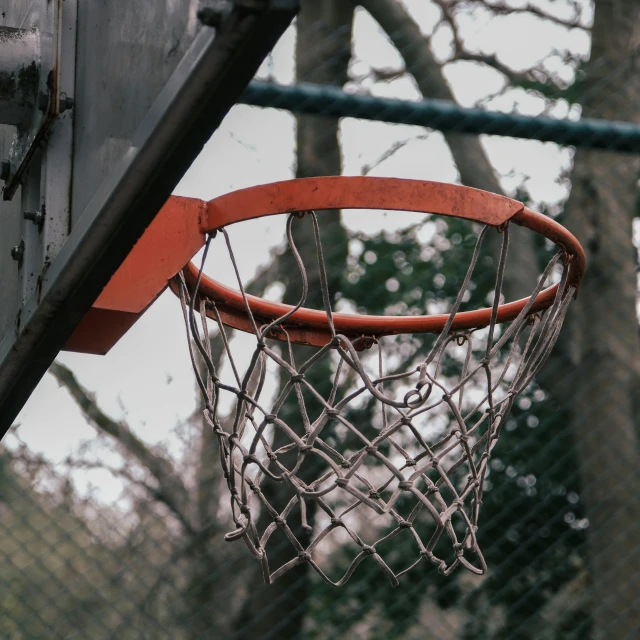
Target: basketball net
{"points": [[419, 467]]}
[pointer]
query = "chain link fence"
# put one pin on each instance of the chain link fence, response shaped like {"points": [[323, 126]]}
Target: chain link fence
{"points": [[536, 101]]}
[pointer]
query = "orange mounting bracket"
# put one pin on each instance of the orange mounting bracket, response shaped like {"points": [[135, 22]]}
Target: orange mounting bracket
{"points": [[169, 242], [179, 231]]}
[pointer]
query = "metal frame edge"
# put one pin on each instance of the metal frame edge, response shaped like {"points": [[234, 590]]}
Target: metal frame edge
{"points": [[168, 139]]}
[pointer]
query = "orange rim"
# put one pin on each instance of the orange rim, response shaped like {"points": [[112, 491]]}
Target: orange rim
{"points": [[310, 326]]}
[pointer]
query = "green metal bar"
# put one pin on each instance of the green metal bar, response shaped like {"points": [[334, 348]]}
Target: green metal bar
{"points": [[322, 100]]}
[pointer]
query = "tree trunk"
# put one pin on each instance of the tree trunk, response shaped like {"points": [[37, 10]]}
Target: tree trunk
{"points": [[601, 341], [323, 53], [208, 553]]}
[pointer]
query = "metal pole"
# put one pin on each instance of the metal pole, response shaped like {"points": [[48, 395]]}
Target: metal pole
{"points": [[444, 116]]}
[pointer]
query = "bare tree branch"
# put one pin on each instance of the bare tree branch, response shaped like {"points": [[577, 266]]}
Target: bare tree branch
{"points": [[467, 151], [469, 156], [447, 12], [390, 152], [502, 9], [493, 62], [265, 276], [117, 472], [171, 489], [533, 76]]}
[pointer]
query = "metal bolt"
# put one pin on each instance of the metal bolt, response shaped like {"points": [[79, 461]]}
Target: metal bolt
{"points": [[214, 16], [37, 217], [43, 101], [5, 170], [17, 252], [65, 103]]}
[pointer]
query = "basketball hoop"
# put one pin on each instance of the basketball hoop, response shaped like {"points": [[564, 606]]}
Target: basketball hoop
{"points": [[309, 326], [419, 465], [408, 468]]}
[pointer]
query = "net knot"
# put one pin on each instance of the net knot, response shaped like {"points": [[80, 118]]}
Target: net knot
{"points": [[244, 510], [303, 556], [371, 449], [272, 456], [342, 482], [297, 377], [250, 458], [270, 417], [332, 412], [279, 520], [303, 448], [374, 495], [368, 550], [345, 464], [566, 256], [337, 522], [405, 485], [404, 524], [460, 338], [411, 462], [405, 420], [364, 342], [413, 398]]}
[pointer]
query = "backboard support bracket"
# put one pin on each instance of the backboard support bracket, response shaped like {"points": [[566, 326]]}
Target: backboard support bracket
{"points": [[205, 84]]}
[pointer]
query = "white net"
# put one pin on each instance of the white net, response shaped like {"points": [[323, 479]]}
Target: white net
{"points": [[315, 477]]}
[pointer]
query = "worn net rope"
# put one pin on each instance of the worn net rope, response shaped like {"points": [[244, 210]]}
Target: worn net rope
{"points": [[423, 472]]}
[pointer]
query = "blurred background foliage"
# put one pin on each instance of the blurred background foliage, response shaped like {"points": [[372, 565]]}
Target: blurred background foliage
{"points": [[560, 519]]}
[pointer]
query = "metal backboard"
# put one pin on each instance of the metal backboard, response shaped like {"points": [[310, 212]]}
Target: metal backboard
{"points": [[103, 105]]}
